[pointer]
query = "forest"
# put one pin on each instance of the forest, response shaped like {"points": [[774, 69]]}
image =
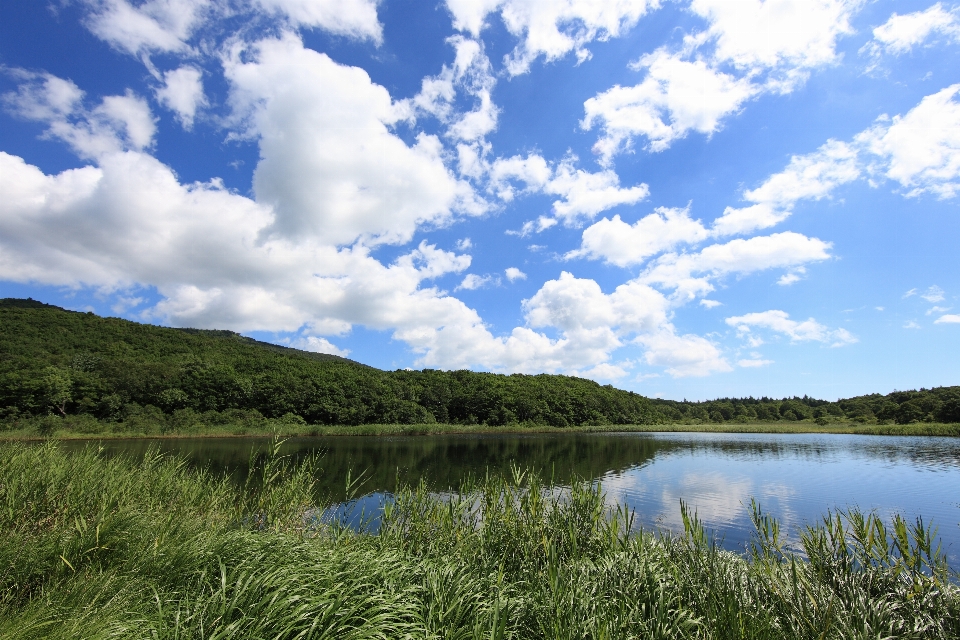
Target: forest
{"points": [[64, 367]]}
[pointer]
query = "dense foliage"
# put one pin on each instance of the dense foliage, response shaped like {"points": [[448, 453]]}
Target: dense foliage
{"points": [[77, 370], [901, 407], [101, 548], [61, 363]]}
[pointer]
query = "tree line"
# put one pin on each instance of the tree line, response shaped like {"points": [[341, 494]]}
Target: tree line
{"points": [[63, 363], [55, 362]]}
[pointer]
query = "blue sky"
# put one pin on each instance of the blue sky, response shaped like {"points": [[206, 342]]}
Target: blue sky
{"points": [[686, 199]]}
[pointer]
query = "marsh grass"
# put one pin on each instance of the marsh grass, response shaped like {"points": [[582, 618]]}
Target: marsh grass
{"points": [[96, 547]]}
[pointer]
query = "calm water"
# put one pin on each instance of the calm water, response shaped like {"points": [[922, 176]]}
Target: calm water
{"points": [[796, 478]]}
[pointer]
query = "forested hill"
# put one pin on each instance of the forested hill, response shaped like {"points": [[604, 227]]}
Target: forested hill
{"points": [[143, 378], [66, 363]]}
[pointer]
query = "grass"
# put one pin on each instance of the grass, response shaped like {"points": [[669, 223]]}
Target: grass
{"points": [[92, 547], [96, 430]]}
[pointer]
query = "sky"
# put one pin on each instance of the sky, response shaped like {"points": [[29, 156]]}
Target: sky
{"points": [[686, 199]]}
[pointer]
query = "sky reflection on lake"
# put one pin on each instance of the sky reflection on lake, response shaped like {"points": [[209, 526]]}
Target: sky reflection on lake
{"points": [[795, 478]]}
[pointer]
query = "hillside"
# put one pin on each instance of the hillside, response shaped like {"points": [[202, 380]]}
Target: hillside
{"points": [[58, 362], [142, 378]]}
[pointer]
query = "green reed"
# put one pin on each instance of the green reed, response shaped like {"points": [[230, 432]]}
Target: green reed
{"points": [[92, 547]]}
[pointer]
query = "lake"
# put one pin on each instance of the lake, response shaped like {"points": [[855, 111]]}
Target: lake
{"points": [[795, 478]]}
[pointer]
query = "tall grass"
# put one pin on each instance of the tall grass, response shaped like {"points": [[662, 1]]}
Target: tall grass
{"points": [[92, 547]]}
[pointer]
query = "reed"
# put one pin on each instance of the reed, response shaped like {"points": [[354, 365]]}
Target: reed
{"points": [[92, 547]]}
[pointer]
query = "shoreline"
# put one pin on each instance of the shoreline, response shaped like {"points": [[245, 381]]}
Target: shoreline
{"points": [[374, 430]]}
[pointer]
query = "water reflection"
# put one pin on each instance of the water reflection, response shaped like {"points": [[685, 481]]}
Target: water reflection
{"points": [[796, 478]]}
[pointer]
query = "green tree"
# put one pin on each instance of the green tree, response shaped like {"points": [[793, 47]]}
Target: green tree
{"points": [[57, 387]]}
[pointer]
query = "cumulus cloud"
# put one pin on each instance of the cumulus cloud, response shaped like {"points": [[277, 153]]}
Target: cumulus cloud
{"points": [[472, 75], [182, 93], [780, 322], [901, 33], [623, 244], [682, 355], [788, 35], [691, 274], [675, 97], [513, 274], [582, 194], [129, 222], [920, 150], [319, 345], [795, 275], [749, 47], [594, 324], [948, 319], [343, 175], [550, 28], [472, 281], [809, 177], [117, 123], [353, 18], [162, 26]]}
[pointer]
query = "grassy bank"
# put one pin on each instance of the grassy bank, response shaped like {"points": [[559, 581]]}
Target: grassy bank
{"points": [[78, 427], [96, 548]]}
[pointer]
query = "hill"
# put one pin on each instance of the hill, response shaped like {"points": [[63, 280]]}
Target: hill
{"points": [[94, 373], [65, 363]]}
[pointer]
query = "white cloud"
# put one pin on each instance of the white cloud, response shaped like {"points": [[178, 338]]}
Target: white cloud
{"points": [[787, 35], [128, 222], [749, 47], [780, 322], [910, 293], [948, 319], [675, 97], [353, 18], [463, 244], [910, 324], [933, 294], [539, 225], [329, 165], [795, 275], [808, 177], [710, 304], [513, 274], [152, 26], [319, 345], [583, 195], [623, 244], [472, 281], [932, 310], [740, 256], [471, 74], [117, 123], [551, 28], [594, 324], [682, 355], [533, 170], [182, 93], [901, 33], [753, 363], [921, 150], [431, 262]]}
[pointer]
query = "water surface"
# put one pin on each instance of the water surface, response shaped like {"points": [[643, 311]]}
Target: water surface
{"points": [[796, 478]]}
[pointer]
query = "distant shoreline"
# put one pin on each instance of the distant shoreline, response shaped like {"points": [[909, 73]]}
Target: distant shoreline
{"points": [[373, 430]]}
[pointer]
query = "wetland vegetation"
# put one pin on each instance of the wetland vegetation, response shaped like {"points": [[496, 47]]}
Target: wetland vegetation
{"points": [[96, 547]]}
